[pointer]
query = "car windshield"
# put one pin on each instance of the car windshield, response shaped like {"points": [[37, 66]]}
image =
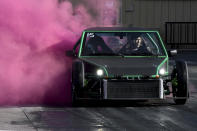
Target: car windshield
{"points": [[122, 44]]}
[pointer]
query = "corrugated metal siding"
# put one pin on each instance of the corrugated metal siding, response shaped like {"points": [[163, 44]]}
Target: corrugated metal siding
{"points": [[154, 13]]}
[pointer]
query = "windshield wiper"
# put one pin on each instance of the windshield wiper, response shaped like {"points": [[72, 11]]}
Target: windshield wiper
{"points": [[120, 54], [123, 55], [146, 54], [149, 54], [106, 54], [141, 54]]}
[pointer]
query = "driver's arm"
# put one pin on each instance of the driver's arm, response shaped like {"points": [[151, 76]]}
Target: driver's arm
{"points": [[149, 49]]}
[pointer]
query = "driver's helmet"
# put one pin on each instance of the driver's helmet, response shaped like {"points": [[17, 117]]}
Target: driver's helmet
{"points": [[132, 40]]}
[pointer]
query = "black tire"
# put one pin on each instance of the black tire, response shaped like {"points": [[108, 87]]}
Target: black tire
{"points": [[78, 74], [180, 91], [77, 80]]}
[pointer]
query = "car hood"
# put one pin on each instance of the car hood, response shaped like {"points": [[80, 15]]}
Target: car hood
{"points": [[127, 65]]}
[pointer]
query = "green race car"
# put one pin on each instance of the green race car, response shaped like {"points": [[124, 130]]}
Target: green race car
{"points": [[118, 63]]}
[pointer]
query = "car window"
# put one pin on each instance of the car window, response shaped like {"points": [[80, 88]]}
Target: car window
{"points": [[155, 45], [122, 43]]}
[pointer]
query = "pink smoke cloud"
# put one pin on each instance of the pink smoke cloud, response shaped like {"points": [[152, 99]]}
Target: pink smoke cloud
{"points": [[34, 35]]}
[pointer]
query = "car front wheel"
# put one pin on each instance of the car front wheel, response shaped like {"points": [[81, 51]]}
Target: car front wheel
{"points": [[180, 82]]}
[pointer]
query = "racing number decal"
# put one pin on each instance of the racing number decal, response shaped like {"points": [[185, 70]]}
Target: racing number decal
{"points": [[91, 35]]}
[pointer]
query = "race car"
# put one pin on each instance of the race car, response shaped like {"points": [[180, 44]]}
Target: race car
{"points": [[121, 63]]}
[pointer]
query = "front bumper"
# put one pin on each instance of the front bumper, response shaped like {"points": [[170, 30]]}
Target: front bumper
{"points": [[114, 89], [133, 89]]}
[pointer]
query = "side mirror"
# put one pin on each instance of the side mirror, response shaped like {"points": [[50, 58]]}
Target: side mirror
{"points": [[172, 53], [70, 53]]}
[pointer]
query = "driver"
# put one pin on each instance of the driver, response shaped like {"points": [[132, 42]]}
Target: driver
{"points": [[135, 45], [140, 46]]}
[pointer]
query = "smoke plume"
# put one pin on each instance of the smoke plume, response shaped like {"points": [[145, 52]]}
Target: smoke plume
{"points": [[34, 35]]}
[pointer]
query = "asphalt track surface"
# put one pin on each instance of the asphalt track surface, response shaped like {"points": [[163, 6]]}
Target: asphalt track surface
{"points": [[137, 116]]}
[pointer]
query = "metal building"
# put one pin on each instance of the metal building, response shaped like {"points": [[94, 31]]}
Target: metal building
{"points": [[176, 19]]}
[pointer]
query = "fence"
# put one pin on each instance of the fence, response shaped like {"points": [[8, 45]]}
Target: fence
{"points": [[181, 34]]}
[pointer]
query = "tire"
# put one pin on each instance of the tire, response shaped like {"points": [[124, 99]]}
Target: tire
{"points": [[78, 74], [180, 90], [77, 80], [74, 98]]}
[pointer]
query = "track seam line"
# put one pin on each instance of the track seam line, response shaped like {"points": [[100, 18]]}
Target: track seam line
{"points": [[29, 120]]}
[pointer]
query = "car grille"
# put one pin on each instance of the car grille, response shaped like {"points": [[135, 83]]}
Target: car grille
{"points": [[132, 89]]}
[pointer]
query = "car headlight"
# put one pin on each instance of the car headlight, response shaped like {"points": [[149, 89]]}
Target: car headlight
{"points": [[162, 71], [99, 72]]}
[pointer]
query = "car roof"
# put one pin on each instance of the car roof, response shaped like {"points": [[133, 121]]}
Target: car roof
{"points": [[120, 29]]}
